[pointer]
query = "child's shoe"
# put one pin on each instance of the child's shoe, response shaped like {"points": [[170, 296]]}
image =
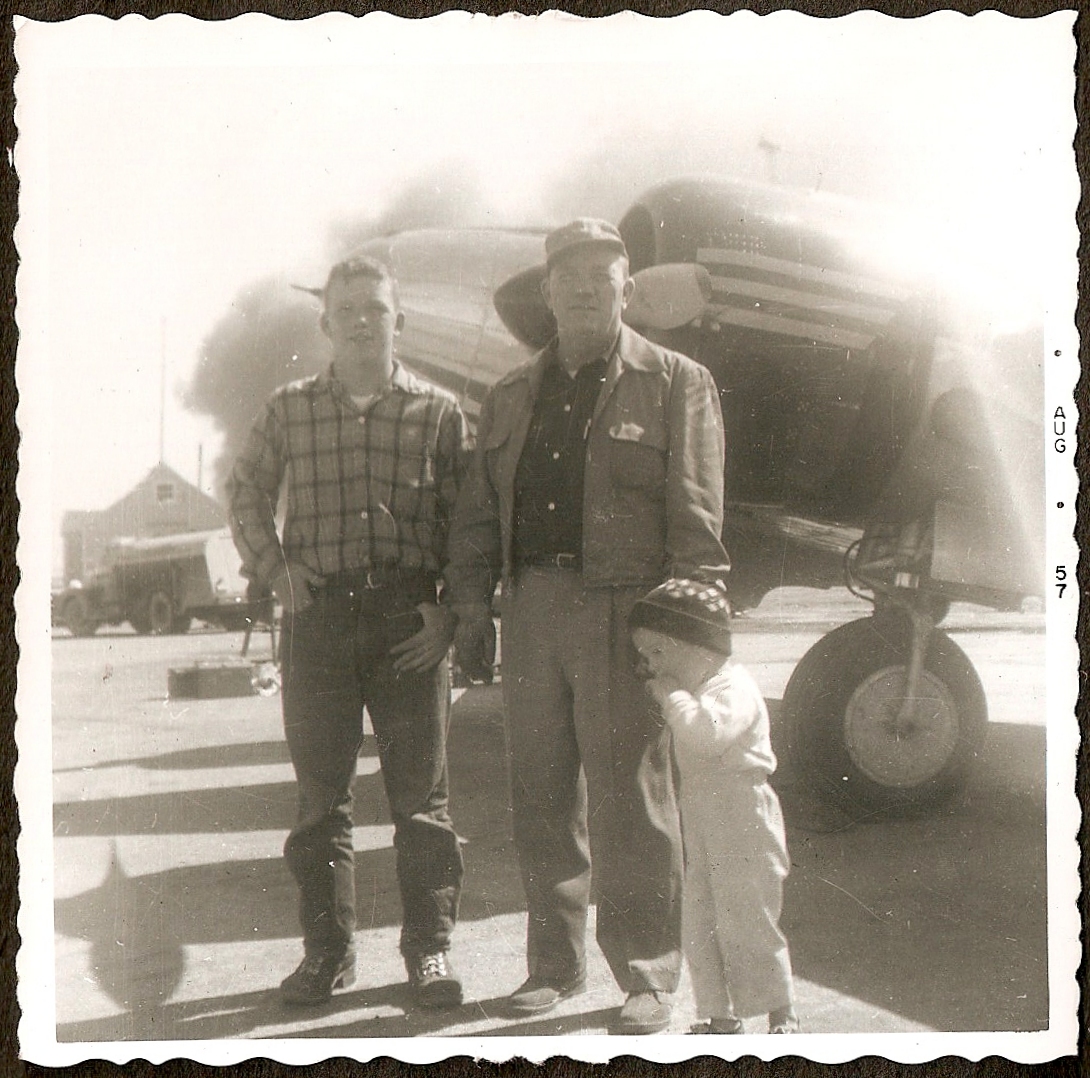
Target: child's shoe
{"points": [[717, 1025], [783, 1021]]}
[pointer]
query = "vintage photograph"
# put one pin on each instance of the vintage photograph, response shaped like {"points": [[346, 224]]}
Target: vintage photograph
{"points": [[547, 536]]}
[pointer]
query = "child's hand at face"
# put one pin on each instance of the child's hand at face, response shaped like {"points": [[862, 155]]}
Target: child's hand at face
{"points": [[661, 665], [662, 685]]}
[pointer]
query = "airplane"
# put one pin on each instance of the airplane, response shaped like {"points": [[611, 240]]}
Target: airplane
{"points": [[875, 437]]}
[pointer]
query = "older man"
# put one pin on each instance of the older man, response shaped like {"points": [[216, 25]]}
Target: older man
{"points": [[598, 474], [371, 458]]}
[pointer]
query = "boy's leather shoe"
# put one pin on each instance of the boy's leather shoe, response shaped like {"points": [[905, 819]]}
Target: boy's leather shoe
{"points": [[536, 995], [648, 1011], [317, 976], [432, 981]]}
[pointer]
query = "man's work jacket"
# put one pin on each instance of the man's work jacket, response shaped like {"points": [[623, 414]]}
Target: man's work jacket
{"points": [[653, 484]]}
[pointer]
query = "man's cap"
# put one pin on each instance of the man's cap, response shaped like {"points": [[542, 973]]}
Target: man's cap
{"points": [[687, 610], [582, 232]]}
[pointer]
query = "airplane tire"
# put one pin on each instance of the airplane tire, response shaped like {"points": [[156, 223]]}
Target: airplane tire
{"points": [[840, 712], [77, 617]]}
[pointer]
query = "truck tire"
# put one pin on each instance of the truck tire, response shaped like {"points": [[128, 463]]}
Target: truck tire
{"points": [[160, 613], [840, 709], [77, 616], [138, 619]]}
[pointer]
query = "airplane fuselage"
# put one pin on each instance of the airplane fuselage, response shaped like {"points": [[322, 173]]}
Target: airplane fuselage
{"points": [[829, 365], [870, 438]]}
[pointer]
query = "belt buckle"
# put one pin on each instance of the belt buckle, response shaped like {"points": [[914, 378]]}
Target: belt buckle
{"points": [[565, 561]]}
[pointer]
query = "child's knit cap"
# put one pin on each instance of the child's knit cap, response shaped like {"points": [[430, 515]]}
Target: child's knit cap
{"points": [[686, 610]]}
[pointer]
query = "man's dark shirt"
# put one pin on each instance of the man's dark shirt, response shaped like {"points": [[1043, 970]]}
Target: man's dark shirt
{"points": [[549, 479]]}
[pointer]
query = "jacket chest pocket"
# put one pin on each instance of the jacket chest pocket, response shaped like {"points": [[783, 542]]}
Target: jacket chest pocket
{"points": [[637, 458]]}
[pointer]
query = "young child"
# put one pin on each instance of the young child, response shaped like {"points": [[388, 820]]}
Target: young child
{"points": [[735, 850]]}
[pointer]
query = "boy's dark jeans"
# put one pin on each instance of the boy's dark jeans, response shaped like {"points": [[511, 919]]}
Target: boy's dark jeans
{"points": [[335, 659]]}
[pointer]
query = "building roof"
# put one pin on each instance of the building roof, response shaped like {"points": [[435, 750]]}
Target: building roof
{"points": [[207, 507]]}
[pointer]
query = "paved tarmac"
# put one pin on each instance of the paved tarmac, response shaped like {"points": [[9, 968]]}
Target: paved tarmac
{"points": [[175, 916]]}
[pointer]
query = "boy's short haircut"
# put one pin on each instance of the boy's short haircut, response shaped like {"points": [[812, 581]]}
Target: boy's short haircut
{"points": [[363, 266], [686, 610]]}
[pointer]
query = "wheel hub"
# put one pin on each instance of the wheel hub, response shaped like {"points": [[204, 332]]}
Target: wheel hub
{"points": [[895, 749]]}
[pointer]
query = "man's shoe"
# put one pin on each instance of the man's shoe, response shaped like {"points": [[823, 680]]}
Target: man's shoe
{"points": [[536, 996], [648, 1011], [433, 983], [317, 976]]}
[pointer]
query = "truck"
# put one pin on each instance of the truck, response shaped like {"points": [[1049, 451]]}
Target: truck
{"points": [[162, 585]]}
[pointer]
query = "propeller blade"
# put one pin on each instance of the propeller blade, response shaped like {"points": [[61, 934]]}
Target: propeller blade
{"points": [[521, 307]]}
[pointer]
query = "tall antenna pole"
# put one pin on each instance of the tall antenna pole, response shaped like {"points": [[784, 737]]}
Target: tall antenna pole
{"points": [[162, 383]]}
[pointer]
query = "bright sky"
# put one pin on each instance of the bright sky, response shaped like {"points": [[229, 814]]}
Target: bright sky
{"points": [[166, 164]]}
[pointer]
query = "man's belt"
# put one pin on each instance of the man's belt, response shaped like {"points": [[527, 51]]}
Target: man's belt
{"points": [[551, 561], [384, 575]]}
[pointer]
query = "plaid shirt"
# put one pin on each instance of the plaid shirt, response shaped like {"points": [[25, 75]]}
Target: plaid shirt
{"points": [[364, 488]]}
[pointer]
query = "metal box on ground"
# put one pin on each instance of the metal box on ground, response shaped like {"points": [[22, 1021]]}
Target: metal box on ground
{"points": [[208, 681]]}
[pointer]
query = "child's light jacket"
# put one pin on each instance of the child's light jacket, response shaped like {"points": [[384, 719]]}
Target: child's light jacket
{"points": [[723, 725]]}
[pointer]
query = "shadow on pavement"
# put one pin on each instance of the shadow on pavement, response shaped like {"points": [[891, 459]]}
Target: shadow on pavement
{"points": [[255, 899], [557, 1025], [140, 926], [247, 754], [220, 1017], [256, 807], [233, 1016], [415, 1023], [261, 807], [940, 919], [233, 901]]}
